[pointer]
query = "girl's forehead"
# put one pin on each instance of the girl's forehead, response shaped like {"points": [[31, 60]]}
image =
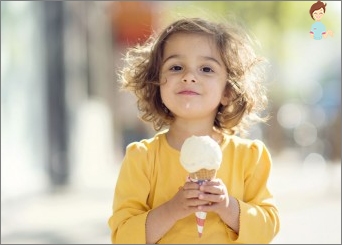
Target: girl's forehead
{"points": [[319, 10], [187, 45], [181, 37], [190, 41]]}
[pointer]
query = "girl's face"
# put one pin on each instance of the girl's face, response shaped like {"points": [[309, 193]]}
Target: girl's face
{"points": [[193, 77], [318, 14]]}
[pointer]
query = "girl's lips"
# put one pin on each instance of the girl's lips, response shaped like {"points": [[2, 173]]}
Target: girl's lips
{"points": [[188, 92]]}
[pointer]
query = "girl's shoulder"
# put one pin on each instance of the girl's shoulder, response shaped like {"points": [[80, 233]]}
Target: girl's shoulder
{"points": [[251, 151], [242, 143], [147, 144]]}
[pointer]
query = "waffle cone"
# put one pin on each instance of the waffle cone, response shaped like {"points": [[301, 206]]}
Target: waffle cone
{"points": [[203, 174]]}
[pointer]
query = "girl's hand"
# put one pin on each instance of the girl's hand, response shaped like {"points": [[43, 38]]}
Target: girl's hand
{"points": [[186, 200], [216, 195]]}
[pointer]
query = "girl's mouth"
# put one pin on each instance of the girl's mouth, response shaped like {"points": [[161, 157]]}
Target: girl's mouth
{"points": [[188, 92]]}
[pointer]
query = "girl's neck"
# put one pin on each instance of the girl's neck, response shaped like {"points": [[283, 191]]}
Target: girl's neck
{"points": [[176, 135]]}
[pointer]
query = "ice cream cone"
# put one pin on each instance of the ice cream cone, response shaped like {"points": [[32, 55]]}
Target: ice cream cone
{"points": [[200, 218], [200, 176], [201, 157], [203, 174]]}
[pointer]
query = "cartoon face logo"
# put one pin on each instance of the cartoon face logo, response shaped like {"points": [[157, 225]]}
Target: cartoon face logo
{"points": [[318, 30], [318, 14]]}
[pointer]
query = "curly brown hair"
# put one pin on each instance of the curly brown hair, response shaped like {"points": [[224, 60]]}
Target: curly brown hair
{"points": [[245, 74]]}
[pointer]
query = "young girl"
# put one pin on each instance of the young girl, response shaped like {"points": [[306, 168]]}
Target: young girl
{"points": [[196, 78]]}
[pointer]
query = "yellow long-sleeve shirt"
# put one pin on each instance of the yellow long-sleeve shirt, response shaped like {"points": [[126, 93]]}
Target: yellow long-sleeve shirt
{"points": [[151, 175]]}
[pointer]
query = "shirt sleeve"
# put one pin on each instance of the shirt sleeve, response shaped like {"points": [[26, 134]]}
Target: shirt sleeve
{"points": [[259, 220], [130, 206]]}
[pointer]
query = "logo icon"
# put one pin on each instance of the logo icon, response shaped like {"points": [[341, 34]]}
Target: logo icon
{"points": [[318, 30]]}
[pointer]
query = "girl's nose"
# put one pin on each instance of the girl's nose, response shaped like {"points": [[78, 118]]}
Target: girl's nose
{"points": [[186, 80], [189, 77]]}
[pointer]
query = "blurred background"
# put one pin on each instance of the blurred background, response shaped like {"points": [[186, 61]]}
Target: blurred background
{"points": [[65, 124]]}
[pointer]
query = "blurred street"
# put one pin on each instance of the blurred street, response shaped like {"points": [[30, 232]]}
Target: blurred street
{"points": [[309, 200]]}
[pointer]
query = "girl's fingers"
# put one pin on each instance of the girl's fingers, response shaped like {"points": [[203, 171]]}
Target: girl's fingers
{"points": [[210, 198], [190, 190], [213, 189], [191, 185]]}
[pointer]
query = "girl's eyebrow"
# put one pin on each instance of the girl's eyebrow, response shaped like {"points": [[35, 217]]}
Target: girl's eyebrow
{"points": [[171, 57], [212, 59], [203, 57]]}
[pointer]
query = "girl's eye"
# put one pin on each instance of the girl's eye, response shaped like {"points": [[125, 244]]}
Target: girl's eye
{"points": [[207, 69], [176, 68]]}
